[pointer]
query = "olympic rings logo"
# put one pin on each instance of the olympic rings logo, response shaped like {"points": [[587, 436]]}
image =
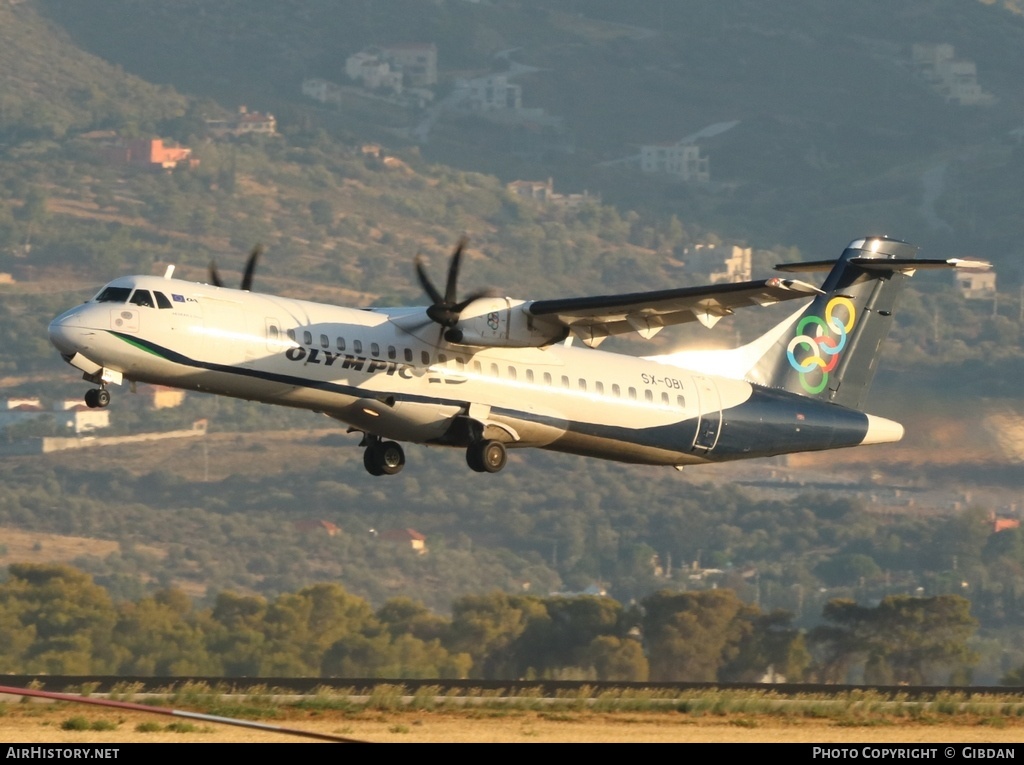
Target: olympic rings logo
{"points": [[825, 345]]}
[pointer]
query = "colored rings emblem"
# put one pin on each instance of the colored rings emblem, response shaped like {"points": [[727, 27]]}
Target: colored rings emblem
{"points": [[823, 345]]}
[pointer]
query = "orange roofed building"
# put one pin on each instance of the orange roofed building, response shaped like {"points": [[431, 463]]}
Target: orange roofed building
{"points": [[408, 537], [151, 153]]}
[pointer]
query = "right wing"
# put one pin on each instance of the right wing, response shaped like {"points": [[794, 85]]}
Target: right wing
{"points": [[592, 319]]}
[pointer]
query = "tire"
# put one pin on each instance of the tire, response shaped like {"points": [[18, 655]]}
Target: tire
{"points": [[493, 456], [486, 456], [474, 459], [370, 460], [90, 398], [390, 458], [102, 397]]}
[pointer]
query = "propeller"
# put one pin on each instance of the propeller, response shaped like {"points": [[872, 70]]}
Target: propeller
{"points": [[445, 309], [247, 277]]}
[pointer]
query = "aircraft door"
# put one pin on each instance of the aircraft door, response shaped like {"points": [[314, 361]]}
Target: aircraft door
{"points": [[709, 414]]}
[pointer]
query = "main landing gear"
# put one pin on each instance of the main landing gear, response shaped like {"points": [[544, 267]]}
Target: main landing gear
{"points": [[97, 398], [383, 457], [486, 456], [388, 457]]}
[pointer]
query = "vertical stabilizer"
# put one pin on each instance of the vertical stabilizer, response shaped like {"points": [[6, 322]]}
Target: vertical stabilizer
{"points": [[832, 351]]}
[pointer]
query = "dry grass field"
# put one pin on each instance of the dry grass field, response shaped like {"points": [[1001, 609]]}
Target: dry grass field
{"points": [[38, 723], [705, 717]]}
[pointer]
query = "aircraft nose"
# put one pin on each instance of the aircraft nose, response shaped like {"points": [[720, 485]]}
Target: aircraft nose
{"points": [[67, 334]]}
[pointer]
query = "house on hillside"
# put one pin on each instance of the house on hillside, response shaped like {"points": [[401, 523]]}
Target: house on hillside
{"points": [[162, 397], [954, 79], [72, 414], [723, 266], [491, 93], [315, 526], [416, 61], [78, 418], [682, 160], [544, 192], [150, 153], [410, 538], [369, 68], [243, 123], [976, 285]]}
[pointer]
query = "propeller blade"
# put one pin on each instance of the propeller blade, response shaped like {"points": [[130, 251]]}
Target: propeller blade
{"points": [[215, 279], [250, 267], [428, 286], [453, 271]]}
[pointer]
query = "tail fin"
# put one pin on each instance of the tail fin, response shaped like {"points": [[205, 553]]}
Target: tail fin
{"points": [[833, 349]]}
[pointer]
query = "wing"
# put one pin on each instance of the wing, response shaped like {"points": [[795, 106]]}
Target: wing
{"points": [[592, 319]]}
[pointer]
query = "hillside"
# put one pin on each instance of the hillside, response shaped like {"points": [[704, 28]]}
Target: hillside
{"points": [[835, 139], [835, 135]]}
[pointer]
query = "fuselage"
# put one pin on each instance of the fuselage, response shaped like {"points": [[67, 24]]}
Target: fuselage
{"points": [[388, 373]]}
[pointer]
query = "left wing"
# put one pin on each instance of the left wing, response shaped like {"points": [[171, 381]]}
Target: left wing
{"points": [[592, 319]]}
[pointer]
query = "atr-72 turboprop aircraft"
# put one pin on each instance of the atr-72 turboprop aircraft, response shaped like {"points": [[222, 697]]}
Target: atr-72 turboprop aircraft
{"points": [[489, 373]]}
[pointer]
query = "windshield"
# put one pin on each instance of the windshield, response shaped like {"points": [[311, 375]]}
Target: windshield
{"points": [[114, 295]]}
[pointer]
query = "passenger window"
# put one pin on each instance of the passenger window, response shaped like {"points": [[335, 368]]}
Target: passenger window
{"points": [[142, 298], [478, 367], [161, 300], [494, 370], [547, 378], [565, 381], [408, 354], [648, 395], [374, 350], [529, 375], [681, 402], [392, 352], [357, 346], [664, 399], [307, 337], [114, 295], [425, 358], [632, 394], [272, 332], [291, 335], [599, 387], [442, 359], [341, 343], [583, 384], [616, 390], [511, 373], [460, 365], [325, 341]]}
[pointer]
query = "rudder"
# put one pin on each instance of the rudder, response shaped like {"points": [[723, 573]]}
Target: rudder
{"points": [[833, 349]]}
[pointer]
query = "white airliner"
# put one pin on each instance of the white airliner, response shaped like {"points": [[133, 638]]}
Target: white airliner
{"points": [[490, 373]]}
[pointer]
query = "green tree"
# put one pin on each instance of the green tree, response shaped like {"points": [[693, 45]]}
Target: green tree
{"points": [[70, 620], [690, 635], [904, 639]]}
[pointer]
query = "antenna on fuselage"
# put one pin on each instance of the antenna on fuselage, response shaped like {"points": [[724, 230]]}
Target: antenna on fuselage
{"points": [[169, 273]]}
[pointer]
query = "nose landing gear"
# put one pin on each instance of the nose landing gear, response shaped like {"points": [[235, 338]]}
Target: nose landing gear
{"points": [[97, 398]]}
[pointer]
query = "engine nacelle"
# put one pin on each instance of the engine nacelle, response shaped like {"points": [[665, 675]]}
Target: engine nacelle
{"points": [[502, 323]]}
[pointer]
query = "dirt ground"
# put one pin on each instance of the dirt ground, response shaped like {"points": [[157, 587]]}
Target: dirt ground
{"points": [[35, 724]]}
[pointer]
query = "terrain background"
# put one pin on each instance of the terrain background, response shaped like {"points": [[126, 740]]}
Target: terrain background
{"points": [[835, 138]]}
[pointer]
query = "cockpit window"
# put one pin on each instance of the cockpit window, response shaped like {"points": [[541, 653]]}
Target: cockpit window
{"points": [[161, 300], [114, 295], [143, 298]]}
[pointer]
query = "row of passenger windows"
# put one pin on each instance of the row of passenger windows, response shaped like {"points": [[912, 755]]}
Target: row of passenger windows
{"points": [[140, 297], [492, 369]]}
